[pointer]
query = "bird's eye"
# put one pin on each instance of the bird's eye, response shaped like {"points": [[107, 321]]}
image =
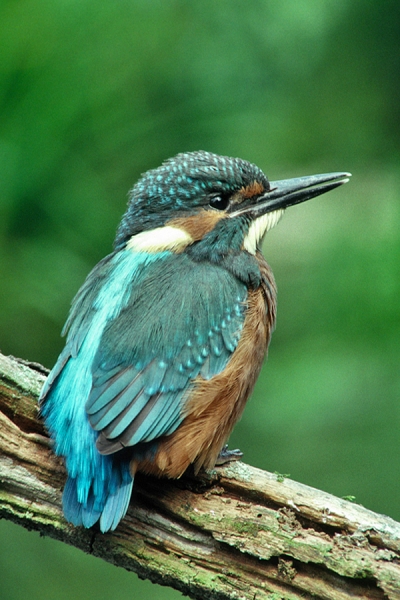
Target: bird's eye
{"points": [[219, 202]]}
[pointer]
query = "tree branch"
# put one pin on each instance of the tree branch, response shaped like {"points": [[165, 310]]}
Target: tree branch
{"points": [[236, 533]]}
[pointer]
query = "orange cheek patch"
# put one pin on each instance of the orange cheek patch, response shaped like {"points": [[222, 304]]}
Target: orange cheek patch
{"points": [[198, 225], [253, 189]]}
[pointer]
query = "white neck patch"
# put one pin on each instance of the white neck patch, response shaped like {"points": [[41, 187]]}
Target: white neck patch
{"points": [[160, 240], [259, 228]]}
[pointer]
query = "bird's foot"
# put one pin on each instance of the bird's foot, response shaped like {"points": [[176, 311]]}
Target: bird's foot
{"points": [[226, 456]]}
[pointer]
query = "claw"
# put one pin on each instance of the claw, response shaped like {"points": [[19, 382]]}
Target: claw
{"points": [[226, 455]]}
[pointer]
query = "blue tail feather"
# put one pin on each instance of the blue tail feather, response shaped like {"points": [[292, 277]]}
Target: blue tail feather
{"points": [[96, 484], [74, 511], [110, 513], [116, 507]]}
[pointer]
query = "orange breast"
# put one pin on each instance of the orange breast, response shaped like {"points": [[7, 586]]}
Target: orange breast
{"points": [[215, 405]]}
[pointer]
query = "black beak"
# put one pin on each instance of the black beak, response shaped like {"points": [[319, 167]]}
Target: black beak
{"points": [[293, 191]]}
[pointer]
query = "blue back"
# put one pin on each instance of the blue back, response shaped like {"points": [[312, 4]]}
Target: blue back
{"points": [[141, 328]]}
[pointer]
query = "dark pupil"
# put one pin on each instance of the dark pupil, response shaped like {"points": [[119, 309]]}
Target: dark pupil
{"points": [[219, 202]]}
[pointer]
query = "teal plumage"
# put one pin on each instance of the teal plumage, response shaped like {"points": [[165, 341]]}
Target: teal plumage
{"points": [[166, 336]]}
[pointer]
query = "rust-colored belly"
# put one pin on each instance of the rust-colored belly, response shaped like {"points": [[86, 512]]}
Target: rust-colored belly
{"points": [[215, 405]]}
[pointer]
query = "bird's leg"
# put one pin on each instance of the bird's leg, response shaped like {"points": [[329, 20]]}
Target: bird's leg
{"points": [[226, 455]]}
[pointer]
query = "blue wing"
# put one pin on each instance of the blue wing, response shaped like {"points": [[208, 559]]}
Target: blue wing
{"points": [[183, 320], [141, 329]]}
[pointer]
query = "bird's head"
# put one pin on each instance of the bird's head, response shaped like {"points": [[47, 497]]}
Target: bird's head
{"points": [[217, 203]]}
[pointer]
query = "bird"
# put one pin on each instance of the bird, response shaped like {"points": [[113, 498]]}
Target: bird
{"points": [[166, 337]]}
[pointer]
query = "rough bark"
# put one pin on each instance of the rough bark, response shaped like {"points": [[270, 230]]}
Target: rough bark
{"points": [[237, 533]]}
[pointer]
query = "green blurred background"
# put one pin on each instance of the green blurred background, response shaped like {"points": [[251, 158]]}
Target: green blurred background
{"points": [[94, 93]]}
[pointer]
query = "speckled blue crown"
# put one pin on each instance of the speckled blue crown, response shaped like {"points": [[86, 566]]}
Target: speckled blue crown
{"points": [[182, 183]]}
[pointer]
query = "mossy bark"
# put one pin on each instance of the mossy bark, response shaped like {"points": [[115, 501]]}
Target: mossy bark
{"points": [[236, 533]]}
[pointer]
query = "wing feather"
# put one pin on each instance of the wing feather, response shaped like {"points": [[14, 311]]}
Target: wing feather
{"points": [[149, 357]]}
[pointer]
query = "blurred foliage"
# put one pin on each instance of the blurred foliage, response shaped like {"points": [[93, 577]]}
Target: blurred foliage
{"points": [[92, 94]]}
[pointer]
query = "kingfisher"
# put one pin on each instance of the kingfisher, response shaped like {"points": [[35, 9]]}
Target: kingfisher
{"points": [[167, 335]]}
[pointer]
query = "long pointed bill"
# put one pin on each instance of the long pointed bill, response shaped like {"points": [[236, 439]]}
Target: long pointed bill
{"points": [[293, 191]]}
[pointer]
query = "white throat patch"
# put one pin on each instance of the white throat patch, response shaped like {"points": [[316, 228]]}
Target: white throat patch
{"points": [[259, 228], [160, 239]]}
